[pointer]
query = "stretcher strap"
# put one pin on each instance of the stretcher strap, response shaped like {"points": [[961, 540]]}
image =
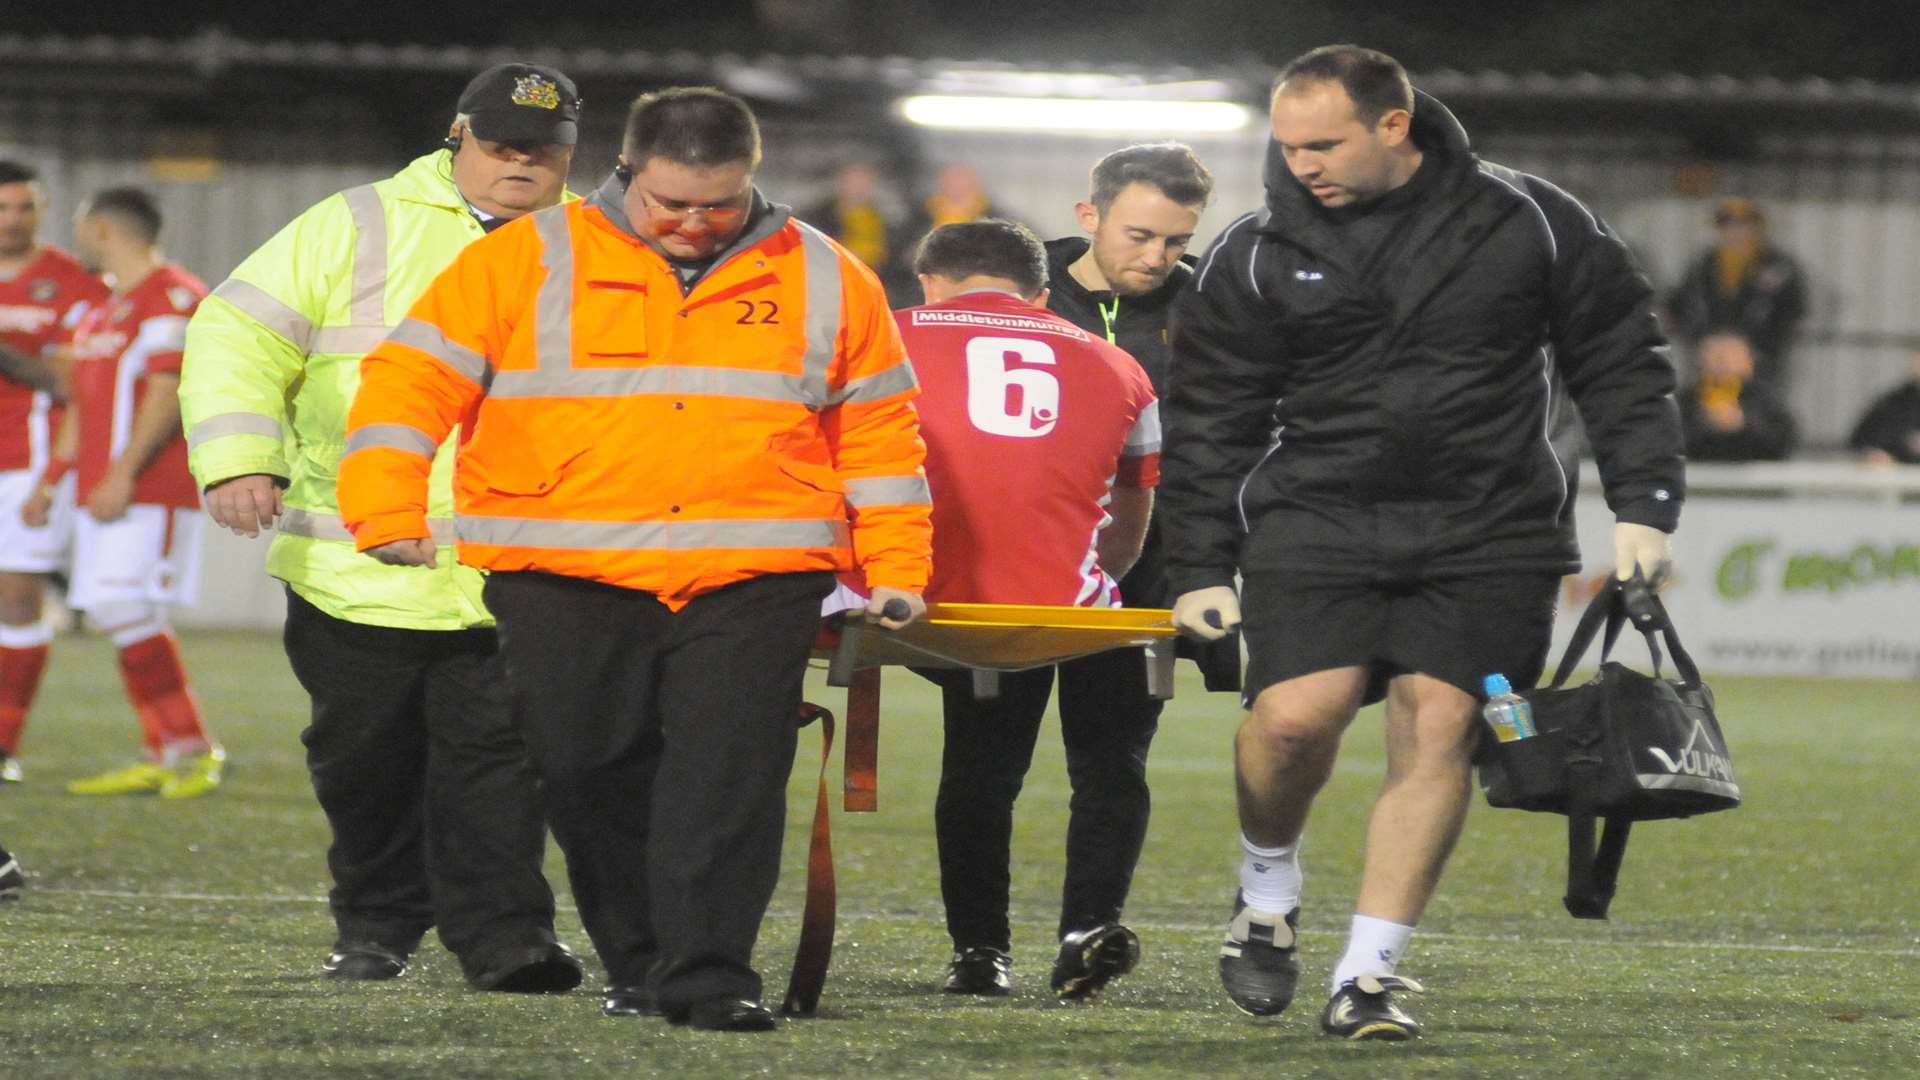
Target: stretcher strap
{"points": [[811, 956], [863, 742]]}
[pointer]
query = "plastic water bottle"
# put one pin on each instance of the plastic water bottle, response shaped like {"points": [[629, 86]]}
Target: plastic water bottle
{"points": [[1507, 713]]}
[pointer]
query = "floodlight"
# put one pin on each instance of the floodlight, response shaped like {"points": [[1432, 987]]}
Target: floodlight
{"points": [[1070, 115]]}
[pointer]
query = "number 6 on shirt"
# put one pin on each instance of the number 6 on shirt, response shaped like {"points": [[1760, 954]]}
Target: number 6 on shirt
{"points": [[1020, 402]]}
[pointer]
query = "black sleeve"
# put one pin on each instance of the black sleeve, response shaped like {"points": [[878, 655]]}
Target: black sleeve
{"points": [[1879, 427], [1791, 307], [1608, 344], [1216, 416]]}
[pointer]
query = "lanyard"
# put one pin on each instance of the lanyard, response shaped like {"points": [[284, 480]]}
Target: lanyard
{"points": [[1108, 316]]}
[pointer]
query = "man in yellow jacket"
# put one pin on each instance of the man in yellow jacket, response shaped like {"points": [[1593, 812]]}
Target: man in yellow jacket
{"points": [[680, 412], [414, 754]]}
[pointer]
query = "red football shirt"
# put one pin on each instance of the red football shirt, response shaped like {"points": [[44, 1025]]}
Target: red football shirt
{"points": [[137, 333], [1029, 423], [39, 306]]}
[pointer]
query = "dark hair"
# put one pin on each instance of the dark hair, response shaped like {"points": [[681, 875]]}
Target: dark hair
{"points": [[1169, 166], [14, 172], [131, 207], [691, 125], [990, 247], [1375, 82]]}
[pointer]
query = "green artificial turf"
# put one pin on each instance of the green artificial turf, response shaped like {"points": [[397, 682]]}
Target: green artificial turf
{"points": [[184, 938]]}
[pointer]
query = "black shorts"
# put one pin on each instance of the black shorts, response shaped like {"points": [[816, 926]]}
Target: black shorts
{"points": [[1458, 629]]}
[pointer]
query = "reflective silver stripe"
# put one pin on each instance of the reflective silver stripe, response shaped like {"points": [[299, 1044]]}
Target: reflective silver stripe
{"points": [[652, 535], [889, 491], [329, 527], [431, 340], [369, 304], [824, 289], [233, 423], [897, 379], [664, 379], [553, 306], [351, 340], [392, 437], [266, 309]]}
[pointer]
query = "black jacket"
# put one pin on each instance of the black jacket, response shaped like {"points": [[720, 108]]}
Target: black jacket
{"points": [[1322, 422], [1139, 325], [1766, 308], [1139, 322], [1892, 424]]}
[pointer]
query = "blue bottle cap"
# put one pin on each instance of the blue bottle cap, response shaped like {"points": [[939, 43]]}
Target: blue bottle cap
{"points": [[1496, 684]]}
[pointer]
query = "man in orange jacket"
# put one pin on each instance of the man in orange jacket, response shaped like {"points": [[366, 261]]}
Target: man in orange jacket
{"points": [[681, 411]]}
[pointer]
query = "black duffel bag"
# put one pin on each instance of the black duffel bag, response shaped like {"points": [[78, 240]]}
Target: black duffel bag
{"points": [[1621, 748]]}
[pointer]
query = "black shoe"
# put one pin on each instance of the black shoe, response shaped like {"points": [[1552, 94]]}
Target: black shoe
{"points": [[979, 969], [727, 1014], [11, 879], [1089, 959], [362, 961], [628, 1001], [1363, 1009], [549, 968], [1257, 962]]}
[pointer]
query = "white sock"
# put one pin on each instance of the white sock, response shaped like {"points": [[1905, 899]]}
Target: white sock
{"points": [[1270, 877], [1374, 947], [30, 636]]}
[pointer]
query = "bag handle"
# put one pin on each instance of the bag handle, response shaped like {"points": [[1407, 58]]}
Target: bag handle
{"points": [[1617, 603], [1591, 872]]}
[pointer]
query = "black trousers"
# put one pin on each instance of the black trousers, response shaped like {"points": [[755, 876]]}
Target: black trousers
{"points": [[664, 739], [1107, 722], [426, 783]]}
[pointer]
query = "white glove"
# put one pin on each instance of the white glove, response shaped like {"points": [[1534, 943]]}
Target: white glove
{"points": [[1643, 548], [1190, 612]]}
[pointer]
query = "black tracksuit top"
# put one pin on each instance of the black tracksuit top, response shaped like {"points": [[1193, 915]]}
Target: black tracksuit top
{"points": [[1139, 325], [1320, 420]]}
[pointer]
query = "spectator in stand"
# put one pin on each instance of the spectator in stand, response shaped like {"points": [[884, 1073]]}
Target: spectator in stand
{"points": [[1889, 431], [859, 215], [1727, 414], [958, 195], [1746, 284]]}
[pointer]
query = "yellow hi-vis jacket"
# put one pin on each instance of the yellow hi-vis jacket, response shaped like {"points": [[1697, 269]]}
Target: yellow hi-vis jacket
{"points": [[272, 359], [619, 429]]}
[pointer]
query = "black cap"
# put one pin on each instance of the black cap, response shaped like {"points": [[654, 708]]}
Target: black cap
{"points": [[522, 103]]}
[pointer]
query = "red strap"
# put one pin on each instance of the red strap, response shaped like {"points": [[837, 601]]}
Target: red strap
{"points": [[811, 956], [863, 742]]}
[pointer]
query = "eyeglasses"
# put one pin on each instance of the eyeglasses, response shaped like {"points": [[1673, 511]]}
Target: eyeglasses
{"points": [[722, 216]]}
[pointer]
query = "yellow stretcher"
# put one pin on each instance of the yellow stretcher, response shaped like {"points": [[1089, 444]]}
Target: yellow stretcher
{"points": [[987, 639], [993, 638]]}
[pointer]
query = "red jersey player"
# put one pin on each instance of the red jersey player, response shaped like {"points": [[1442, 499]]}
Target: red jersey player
{"points": [[136, 543], [1034, 429], [1043, 447], [43, 291]]}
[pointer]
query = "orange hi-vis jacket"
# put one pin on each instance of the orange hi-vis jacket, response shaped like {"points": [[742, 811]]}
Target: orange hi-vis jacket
{"points": [[617, 428]]}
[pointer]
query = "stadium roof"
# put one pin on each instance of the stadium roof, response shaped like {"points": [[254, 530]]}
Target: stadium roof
{"points": [[148, 66]]}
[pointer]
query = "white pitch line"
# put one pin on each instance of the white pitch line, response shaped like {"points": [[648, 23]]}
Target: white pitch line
{"points": [[896, 917]]}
